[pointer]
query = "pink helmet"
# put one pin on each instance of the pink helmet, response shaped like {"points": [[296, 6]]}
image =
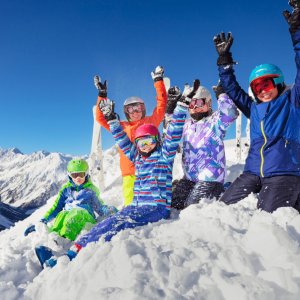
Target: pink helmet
{"points": [[147, 129]]}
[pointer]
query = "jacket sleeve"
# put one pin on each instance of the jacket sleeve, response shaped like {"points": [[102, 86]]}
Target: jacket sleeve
{"points": [[295, 93], [231, 87], [174, 133], [159, 110], [96, 204], [99, 115], [227, 112], [123, 141], [58, 205]]}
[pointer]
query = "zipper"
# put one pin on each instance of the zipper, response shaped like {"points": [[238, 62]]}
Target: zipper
{"points": [[262, 148]]}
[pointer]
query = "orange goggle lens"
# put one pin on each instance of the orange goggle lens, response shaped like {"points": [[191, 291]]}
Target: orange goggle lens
{"points": [[266, 85]]}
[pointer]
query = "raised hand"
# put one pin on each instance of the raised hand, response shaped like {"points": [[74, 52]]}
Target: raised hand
{"points": [[102, 88], [173, 97], [158, 74], [294, 18], [189, 93], [107, 107], [223, 46], [218, 90]]}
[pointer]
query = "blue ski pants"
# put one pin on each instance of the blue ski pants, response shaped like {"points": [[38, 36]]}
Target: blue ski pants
{"points": [[273, 192], [129, 217]]}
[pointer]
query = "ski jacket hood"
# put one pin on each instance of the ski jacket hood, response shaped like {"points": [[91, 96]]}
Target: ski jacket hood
{"points": [[127, 167], [203, 155], [274, 126]]}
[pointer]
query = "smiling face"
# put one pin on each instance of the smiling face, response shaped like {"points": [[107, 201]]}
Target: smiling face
{"points": [[148, 148], [136, 116], [268, 96]]}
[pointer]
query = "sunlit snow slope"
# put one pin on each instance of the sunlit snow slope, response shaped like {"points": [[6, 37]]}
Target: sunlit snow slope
{"points": [[208, 251]]}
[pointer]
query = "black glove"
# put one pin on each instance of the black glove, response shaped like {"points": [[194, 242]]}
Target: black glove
{"points": [[218, 90], [173, 97], [107, 107], [223, 48], [293, 19], [102, 88], [189, 93], [158, 74]]}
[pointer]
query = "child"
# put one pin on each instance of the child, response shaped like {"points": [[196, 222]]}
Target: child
{"points": [[153, 185], [203, 158], [273, 165], [76, 203], [135, 112]]}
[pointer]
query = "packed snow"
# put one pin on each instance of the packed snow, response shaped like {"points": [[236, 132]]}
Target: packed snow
{"points": [[208, 251]]}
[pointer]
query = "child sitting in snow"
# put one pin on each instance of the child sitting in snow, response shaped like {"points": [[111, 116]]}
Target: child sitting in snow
{"points": [[76, 203], [203, 157], [273, 165], [153, 185]]}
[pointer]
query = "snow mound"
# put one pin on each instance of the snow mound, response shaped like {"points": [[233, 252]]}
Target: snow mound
{"points": [[208, 251]]}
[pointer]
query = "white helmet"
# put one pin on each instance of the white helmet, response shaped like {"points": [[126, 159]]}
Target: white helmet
{"points": [[203, 93], [133, 100]]}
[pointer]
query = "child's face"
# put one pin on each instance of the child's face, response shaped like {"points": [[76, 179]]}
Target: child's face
{"points": [[136, 116], [199, 109], [268, 96], [148, 148], [78, 180]]}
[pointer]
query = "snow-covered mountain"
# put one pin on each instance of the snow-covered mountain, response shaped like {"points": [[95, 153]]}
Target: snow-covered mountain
{"points": [[30, 180], [208, 251]]}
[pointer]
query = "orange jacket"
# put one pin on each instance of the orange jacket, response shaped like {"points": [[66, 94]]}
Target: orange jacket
{"points": [[127, 167]]}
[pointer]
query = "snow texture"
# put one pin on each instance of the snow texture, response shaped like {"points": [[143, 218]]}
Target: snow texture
{"points": [[207, 251]]}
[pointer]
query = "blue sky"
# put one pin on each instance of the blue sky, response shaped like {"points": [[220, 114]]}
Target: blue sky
{"points": [[51, 50]]}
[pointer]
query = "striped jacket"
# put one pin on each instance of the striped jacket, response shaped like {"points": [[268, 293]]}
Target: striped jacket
{"points": [[153, 184]]}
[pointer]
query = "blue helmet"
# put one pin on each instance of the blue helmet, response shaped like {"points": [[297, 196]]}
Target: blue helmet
{"points": [[267, 70]]}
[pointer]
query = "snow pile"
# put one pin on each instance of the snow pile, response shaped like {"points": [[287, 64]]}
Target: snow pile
{"points": [[207, 251]]}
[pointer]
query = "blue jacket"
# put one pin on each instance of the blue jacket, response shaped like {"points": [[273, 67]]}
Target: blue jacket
{"points": [[85, 196], [153, 184], [274, 127]]}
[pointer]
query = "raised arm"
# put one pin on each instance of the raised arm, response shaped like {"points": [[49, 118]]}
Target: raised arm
{"points": [[102, 88], [227, 110], [225, 62], [159, 110], [294, 22], [123, 141], [175, 129]]}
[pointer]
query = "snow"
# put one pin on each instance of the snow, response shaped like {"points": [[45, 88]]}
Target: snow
{"points": [[207, 251]]}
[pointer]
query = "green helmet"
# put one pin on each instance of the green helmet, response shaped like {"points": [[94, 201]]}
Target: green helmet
{"points": [[78, 165]]}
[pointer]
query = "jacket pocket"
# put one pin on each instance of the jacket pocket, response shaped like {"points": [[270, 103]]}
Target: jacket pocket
{"points": [[288, 145]]}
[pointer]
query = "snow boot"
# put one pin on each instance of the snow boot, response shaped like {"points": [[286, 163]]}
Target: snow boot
{"points": [[43, 254]]}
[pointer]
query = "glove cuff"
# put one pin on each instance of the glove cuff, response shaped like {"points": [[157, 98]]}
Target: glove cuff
{"points": [[171, 105], [225, 59], [183, 104], [102, 94], [157, 79]]}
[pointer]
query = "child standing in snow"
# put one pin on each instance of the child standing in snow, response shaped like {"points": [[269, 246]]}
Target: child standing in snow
{"points": [[203, 158], [153, 185], [135, 112], [273, 165], [76, 203]]}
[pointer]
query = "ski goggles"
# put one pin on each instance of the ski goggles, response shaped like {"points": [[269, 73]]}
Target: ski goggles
{"points": [[197, 103], [77, 174], [145, 140], [135, 108], [266, 84]]}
